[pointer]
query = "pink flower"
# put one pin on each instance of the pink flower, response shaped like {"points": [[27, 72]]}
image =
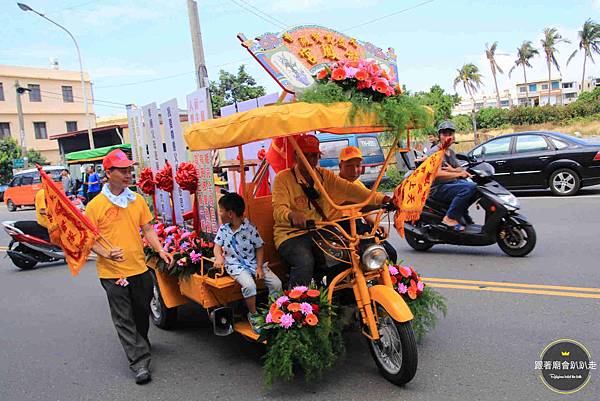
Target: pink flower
{"points": [[393, 270], [185, 235], [402, 288], [170, 229], [182, 261], [306, 308], [281, 300], [390, 91], [195, 256], [420, 286], [269, 318], [301, 288], [350, 71], [407, 271], [373, 69], [286, 321]]}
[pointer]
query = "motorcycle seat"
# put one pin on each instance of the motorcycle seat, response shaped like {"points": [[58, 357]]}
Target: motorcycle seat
{"points": [[32, 228], [441, 206]]}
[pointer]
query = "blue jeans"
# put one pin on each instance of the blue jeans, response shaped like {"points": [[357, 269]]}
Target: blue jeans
{"points": [[459, 194]]}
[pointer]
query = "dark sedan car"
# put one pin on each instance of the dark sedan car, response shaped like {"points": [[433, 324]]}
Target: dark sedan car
{"points": [[542, 159]]}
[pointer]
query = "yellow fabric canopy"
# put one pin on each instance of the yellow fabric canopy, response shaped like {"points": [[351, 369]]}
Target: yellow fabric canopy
{"points": [[276, 121]]}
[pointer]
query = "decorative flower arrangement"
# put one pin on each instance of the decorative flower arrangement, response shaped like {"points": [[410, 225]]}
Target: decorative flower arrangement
{"points": [[187, 177], [188, 248], [299, 330], [366, 76], [146, 182], [368, 87], [423, 301], [164, 178]]}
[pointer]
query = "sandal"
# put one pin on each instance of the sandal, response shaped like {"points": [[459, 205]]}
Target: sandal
{"points": [[455, 227]]}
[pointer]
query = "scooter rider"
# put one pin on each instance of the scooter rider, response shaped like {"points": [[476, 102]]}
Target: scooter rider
{"points": [[450, 185]]}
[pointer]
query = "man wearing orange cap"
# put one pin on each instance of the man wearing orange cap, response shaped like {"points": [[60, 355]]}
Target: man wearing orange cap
{"points": [[351, 159], [296, 200], [119, 213]]}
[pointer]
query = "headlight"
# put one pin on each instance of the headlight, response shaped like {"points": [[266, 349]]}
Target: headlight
{"points": [[510, 200], [374, 257]]}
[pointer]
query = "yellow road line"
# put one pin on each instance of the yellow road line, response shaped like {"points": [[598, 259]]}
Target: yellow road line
{"points": [[516, 290], [502, 284]]}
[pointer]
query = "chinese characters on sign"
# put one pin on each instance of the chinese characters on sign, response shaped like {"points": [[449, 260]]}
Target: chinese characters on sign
{"points": [[199, 110]]}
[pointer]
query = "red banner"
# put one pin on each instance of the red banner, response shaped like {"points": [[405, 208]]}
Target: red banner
{"points": [[67, 226]]}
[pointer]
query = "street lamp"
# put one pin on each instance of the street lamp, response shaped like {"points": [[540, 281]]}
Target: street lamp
{"points": [[25, 7]]}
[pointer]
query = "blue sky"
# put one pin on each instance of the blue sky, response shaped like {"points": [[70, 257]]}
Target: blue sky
{"points": [[125, 42]]}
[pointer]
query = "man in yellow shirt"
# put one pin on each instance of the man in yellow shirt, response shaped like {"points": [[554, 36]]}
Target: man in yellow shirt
{"points": [[40, 214], [119, 213], [350, 169], [296, 200]]}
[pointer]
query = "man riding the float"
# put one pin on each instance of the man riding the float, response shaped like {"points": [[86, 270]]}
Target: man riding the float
{"points": [[296, 200]]}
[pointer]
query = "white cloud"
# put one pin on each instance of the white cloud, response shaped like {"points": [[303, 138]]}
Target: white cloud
{"points": [[596, 5]]}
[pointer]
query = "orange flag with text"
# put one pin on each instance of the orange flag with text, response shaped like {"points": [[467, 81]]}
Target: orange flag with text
{"points": [[67, 226], [411, 194]]}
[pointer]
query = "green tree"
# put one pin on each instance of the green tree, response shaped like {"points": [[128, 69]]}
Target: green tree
{"points": [[10, 150], [490, 53], [232, 88], [589, 43], [549, 42], [524, 53], [441, 103], [470, 78]]}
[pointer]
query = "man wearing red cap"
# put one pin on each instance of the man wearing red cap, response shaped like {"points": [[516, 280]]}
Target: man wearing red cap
{"points": [[119, 213], [296, 200], [351, 168]]}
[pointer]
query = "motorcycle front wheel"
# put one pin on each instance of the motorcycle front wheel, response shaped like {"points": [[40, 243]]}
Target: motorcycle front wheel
{"points": [[395, 353], [21, 263], [516, 241]]}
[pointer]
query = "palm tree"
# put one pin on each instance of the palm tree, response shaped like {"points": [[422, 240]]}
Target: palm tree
{"points": [[470, 78], [524, 53], [549, 41], [589, 42], [490, 53]]}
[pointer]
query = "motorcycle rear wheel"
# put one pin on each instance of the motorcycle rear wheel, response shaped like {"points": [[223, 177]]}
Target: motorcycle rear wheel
{"points": [[516, 241], [395, 353]]}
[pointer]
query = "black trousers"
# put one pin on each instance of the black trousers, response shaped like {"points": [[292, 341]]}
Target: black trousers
{"points": [[129, 310], [303, 257]]}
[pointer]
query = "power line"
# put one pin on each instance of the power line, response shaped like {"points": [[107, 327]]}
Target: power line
{"points": [[265, 17], [282, 23], [79, 97], [389, 15]]}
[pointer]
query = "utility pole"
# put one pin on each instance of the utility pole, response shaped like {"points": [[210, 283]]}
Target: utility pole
{"points": [[199, 62], [19, 91]]}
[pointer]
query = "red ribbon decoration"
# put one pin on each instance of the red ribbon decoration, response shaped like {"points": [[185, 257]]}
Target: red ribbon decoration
{"points": [[146, 182], [164, 178], [187, 177]]}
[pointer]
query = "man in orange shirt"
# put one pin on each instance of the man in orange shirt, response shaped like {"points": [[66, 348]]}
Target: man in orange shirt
{"points": [[119, 213], [296, 200]]}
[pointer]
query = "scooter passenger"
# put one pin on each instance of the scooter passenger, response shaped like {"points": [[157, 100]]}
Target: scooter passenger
{"points": [[451, 185], [295, 200], [41, 216]]}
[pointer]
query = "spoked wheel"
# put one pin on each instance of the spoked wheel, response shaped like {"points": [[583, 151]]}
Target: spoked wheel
{"points": [[516, 240], [161, 316], [564, 182], [395, 353]]}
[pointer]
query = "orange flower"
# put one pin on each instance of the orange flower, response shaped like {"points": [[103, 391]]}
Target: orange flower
{"points": [[361, 75], [381, 86], [338, 74], [277, 315], [294, 307], [412, 293], [322, 74], [295, 294], [311, 319], [313, 293], [398, 89], [273, 307], [394, 279]]}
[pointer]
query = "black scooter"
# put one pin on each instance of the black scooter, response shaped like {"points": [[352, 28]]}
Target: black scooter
{"points": [[503, 224]]}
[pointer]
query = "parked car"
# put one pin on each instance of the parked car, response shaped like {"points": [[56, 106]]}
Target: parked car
{"points": [[373, 158], [542, 159], [24, 185]]}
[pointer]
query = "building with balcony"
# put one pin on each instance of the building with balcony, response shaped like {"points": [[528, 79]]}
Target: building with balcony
{"points": [[52, 104], [484, 101]]}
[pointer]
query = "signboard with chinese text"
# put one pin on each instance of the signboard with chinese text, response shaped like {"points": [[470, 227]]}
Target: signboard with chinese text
{"points": [[199, 110], [294, 56]]}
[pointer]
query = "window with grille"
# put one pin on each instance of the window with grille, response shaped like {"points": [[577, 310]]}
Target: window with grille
{"points": [[34, 93], [67, 92]]}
